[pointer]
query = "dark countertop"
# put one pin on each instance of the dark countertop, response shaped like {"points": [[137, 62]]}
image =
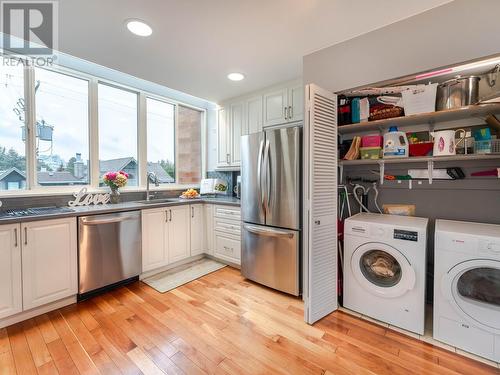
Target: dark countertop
{"points": [[120, 207]]}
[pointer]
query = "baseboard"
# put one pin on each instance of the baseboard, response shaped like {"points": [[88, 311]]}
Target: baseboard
{"points": [[37, 311], [223, 261]]}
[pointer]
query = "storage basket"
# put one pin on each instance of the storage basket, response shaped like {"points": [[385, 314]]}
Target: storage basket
{"points": [[487, 147], [370, 153], [420, 99]]}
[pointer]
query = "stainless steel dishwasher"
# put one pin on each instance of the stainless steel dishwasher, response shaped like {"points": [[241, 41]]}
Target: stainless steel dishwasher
{"points": [[109, 251]]}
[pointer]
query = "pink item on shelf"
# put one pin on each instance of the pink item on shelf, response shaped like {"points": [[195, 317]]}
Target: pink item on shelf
{"points": [[371, 141]]}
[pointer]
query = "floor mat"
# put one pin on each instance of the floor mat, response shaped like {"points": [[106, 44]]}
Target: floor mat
{"points": [[171, 279]]}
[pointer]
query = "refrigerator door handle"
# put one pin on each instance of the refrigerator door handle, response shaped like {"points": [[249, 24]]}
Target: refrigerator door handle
{"points": [[268, 231], [259, 174], [267, 171]]}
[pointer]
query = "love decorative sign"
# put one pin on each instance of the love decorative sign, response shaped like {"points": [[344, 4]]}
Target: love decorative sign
{"points": [[84, 199]]}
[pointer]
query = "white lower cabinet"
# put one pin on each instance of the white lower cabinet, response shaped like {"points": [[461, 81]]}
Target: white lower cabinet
{"points": [[165, 236], [197, 229], [154, 238], [10, 271], [227, 247], [178, 233], [49, 257], [38, 264], [227, 233]]}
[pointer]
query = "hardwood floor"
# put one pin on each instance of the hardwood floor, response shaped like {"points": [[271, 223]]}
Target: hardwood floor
{"points": [[219, 324]]}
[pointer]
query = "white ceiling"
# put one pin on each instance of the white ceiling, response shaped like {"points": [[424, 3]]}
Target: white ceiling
{"points": [[195, 43]]}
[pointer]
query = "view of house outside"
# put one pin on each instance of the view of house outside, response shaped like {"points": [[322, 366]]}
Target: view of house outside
{"points": [[62, 126]]}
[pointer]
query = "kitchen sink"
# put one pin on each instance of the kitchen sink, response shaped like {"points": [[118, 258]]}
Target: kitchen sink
{"points": [[166, 200], [13, 213]]}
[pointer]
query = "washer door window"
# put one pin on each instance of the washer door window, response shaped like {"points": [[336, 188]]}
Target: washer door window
{"points": [[382, 270], [473, 288]]}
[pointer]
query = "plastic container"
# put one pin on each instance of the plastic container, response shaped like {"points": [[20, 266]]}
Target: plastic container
{"points": [[371, 141], [395, 144], [370, 153], [421, 149]]}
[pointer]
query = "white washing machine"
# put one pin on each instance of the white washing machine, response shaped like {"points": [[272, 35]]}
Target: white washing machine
{"points": [[467, 287], [384, 268]]}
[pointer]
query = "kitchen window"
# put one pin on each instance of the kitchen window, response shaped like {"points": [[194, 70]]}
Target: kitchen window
{"points": [[62, 129], [82, 127], [161, 140], [118, 132], [12, 133]]}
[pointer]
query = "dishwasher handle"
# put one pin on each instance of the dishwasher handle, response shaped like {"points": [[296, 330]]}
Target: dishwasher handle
{"points": [[119, 219]]}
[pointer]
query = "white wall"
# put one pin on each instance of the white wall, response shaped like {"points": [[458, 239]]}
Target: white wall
{"points": [[458, 31]]}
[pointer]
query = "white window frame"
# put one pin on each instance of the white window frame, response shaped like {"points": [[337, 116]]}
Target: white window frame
{"points": [[32, 187]]}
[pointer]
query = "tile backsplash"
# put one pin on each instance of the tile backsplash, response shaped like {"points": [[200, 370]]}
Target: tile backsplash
{"points": [[229, 176]]}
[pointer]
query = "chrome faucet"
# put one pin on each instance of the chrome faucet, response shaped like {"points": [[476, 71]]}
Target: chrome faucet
{"points": [[151, 177]]}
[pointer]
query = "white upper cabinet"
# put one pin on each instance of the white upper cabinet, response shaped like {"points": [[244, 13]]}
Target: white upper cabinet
{"points": [[238, 128], [296, 103], [223, 139], [254, 114], [284, 105], [10, 270], [178, 233], [275, 107], [198, 244], [249, 115], [49, 257]]}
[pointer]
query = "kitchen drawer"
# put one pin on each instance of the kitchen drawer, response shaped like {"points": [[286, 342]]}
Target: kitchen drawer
{"points": [[228, 226], [228, 212], [227, 247]]}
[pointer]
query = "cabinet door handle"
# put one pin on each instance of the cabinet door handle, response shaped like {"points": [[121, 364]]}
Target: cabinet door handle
{"points": [[285, 112], [15, 237], [170, 215], [25, 235], [228, 158], [192, 212], [290, 112]]}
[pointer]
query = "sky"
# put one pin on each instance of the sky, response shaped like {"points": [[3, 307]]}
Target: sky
{"points": [[62, 101]]}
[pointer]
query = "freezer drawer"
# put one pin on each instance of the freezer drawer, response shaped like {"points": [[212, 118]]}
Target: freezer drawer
{"points": [[270, 257]]}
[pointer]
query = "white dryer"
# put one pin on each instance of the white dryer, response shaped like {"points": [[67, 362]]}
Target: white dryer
{"points": [[467, 287], [385, 268]]}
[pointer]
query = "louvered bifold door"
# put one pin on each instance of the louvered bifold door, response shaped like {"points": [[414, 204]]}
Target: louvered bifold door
{"points": [[320, 204]]}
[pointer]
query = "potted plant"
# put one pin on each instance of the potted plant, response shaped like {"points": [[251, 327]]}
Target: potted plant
{"points": [[115, 180]]}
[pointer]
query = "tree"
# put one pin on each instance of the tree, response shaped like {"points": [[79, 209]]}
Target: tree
{"points": [[70, 167], [169, 167], [11, 159]]}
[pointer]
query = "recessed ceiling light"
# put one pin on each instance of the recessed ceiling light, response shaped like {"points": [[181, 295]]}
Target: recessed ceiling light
{"points": [[236, 76], [139, 27]]}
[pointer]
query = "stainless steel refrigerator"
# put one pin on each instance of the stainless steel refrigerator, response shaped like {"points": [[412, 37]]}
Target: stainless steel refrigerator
{"points": [[271, 208]]}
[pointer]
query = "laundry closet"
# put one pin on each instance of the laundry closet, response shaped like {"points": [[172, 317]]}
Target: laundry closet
{"points": [[418, 183]]}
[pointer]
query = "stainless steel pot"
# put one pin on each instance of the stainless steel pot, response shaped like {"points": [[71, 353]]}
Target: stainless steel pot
{"points": [[457, 92]]}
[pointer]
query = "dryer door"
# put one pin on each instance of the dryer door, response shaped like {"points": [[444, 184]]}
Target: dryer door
{"points": [[473, 289], [382, 270]]}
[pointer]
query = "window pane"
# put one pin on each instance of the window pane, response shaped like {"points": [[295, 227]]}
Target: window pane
{"points": [[62, 123], [118, 132], [161, 140], [12, 146], [189, 145]]}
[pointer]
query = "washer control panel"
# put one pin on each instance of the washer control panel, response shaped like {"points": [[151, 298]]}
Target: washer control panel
{"points": [[405, 235]]}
